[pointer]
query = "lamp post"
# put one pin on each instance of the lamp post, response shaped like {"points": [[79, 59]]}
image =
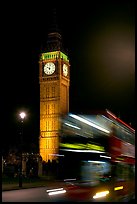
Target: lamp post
{"points": [[22, 116]]}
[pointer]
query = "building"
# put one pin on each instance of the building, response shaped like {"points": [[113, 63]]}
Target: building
{"points": [[54, 80]]}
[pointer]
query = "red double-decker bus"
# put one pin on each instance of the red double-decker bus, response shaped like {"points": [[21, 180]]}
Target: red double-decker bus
{"points": [[97, 157]]}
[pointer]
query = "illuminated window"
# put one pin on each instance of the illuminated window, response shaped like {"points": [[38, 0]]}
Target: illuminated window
{"points": [[47, 92], [53, 91], [53, 108]]}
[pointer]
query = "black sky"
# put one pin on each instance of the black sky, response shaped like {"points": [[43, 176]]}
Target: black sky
{"points": [[99, 37]]}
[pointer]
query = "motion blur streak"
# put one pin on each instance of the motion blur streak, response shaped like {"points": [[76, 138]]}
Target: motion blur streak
{"points": [[89, 123], [72, 126], [118, 188], [100, 194], [56, 191]]}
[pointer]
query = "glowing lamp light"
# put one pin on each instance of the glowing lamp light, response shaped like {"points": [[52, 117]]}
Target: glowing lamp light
{"points": [[22, 115]]}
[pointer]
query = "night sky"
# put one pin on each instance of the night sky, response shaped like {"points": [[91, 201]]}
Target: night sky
{"points": [[99, 37]]}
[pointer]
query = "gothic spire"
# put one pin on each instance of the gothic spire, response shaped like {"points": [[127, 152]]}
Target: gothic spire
{"points": [[54, 39], [53, 27]]}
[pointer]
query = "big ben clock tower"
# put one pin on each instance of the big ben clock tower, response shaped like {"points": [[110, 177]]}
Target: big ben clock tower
{"points": [[54, 80]]}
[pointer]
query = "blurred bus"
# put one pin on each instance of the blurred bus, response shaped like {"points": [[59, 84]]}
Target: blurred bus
{"points": [[97, 157]]}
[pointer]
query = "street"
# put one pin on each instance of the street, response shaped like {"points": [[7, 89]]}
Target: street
{"points": [[30, 195], [39, 194]]}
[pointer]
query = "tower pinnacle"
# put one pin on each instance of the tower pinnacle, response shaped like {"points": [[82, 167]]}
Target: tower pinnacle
{"points": [[54, 38]]}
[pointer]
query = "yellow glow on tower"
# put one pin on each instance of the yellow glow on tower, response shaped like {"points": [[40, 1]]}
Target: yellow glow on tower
{"points": [[54, 101]]}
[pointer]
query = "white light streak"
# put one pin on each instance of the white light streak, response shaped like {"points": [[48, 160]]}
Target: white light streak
{"points": [[82, 150], [110, 113], [70, 179], [56, 191], [70, 125], [89, 123], [58, 155], [97, 162], [105, 156]]}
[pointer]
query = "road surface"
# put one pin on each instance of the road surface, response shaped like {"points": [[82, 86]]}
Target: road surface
{"points": [[31, 195]]}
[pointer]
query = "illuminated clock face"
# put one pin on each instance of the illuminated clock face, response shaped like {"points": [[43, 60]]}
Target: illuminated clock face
{"points": [[65, 69], [49, 68]]}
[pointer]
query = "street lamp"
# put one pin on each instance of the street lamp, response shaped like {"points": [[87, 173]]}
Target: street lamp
{"points": [[22, 116]]}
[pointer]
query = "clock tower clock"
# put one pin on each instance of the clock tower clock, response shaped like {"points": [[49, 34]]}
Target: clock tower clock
{"points": [[54, 80]]}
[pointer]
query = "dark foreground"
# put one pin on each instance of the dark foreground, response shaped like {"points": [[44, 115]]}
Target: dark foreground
{"points": [[49, 191]]}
